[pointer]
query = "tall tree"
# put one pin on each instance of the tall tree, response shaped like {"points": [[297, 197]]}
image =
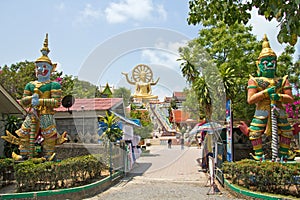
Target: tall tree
{"points": [[66, 81], [294, 76], [85, 89], [233, 51], [229, 58], [15, 77], [124, 93], [144, 131], [286, 13], [191, 105], [285, 62]]}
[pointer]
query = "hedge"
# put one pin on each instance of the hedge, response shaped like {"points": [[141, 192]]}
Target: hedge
{"points": [[37, 175], [267, 176]]}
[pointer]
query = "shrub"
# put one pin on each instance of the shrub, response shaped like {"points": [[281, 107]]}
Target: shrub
{"points": [[37, 175], [267, 176]]}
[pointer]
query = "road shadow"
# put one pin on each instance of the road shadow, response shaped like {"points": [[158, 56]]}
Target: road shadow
{"points": [[139, 169], [150, 155]]}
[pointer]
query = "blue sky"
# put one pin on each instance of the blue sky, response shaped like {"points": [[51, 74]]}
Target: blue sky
{"points": [[79, 29]]}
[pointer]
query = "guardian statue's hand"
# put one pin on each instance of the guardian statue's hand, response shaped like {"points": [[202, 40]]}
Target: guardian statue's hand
{"points": [[275, 97], [271, 90], [35, 100]]}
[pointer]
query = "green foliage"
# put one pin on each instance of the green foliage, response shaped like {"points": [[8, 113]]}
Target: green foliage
{"points": [[285, 12], [15, 77], [124, 93], [6, 171], [227, 54], [285, 62], [220, 60], [191, 104], [203, 93], [66, 81], [84, 89], [36, 175], [294, 74], [191, 58], [144, 131], [142, 115], [73, 86], [12, 123], [112, 131], [6, 163], [267, 176], [173, 104], [139, 112]]}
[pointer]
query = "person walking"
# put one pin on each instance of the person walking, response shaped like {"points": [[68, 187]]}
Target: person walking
{"points": [[169, 143]]}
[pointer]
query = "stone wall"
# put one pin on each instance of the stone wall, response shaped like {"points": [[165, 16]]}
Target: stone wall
{"points": [[79, 129], [68, 150]]}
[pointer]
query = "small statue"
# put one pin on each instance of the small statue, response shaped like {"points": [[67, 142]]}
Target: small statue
{"points": [[143, 80], [269, 92], [38, 135]]}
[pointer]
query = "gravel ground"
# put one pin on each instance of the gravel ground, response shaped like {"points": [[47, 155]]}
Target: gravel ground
{"points": [[160, 190]]}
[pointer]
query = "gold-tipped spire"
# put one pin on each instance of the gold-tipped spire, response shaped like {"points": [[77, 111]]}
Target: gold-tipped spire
{"points": [[45, 51], [266, 49]]}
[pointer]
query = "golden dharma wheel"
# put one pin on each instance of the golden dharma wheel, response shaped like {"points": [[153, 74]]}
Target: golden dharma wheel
{"points": [[142, 73]]}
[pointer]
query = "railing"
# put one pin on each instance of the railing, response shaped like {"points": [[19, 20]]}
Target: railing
{"points": [[161, 118]]}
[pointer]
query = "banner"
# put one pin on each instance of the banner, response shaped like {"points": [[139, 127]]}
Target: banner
{"points": [[229, 131]]}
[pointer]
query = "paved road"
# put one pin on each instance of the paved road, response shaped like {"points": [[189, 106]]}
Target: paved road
{"points": [[165, 174]]}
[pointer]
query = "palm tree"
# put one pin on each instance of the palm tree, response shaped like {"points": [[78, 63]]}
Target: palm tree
{"points": [[190, 63], [202, 91], [111, 129], [229, 81]]}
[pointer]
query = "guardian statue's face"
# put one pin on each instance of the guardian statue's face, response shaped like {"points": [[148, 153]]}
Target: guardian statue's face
{"points": [[43, 71], [267, 66]]}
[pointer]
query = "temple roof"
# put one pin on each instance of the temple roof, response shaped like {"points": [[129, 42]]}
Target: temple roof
{"points": [[106, 93], [92, 104], [179, 96], [8, 105]]}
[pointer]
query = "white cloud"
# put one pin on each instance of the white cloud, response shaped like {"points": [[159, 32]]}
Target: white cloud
{"points": [[137, 10], [261, 26], [165, 54], [87, 15], [162, 13]]}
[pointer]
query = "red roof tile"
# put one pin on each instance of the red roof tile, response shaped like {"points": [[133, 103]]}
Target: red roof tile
{"points": [[92, 104], [178, 94]]}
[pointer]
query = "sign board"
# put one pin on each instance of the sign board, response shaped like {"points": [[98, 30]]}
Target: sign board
{"points": [[229, 131]]}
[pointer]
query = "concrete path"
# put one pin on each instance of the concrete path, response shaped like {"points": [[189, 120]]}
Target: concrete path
{"points": [[165, 174]]}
